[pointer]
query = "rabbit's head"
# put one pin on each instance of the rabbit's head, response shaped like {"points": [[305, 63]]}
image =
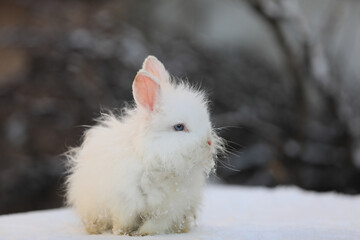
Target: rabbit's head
{"points": [[178, 133]]}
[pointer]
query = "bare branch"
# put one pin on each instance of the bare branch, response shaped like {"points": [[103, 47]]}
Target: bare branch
{"points": [[304, 56]]}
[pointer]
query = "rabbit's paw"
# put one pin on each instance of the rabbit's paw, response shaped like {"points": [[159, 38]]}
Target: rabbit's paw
{"points": [[97, 227], [124, 227], [120, 231], [182, 226], [154, 226]]}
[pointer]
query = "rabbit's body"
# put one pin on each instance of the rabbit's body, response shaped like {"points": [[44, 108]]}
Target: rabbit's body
{"points": [[134, 174]]}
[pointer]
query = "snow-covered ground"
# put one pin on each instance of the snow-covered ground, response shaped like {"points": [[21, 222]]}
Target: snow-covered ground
{"points": [[228, 213]]}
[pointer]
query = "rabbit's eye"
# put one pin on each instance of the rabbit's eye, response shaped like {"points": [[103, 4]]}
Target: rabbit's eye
{"points": [[179, 127]]}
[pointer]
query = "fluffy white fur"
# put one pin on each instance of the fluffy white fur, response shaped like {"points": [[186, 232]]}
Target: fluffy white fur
{"points": [[134, 173]]}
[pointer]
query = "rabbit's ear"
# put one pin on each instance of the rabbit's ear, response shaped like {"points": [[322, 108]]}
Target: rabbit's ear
{"points": [[153, 66], [146, 90]]}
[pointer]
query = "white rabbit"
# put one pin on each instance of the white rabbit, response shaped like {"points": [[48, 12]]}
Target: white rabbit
{"points": [[142, 173]]}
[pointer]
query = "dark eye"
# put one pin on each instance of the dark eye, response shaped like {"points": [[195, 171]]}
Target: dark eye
{"points": [[179, 127]]}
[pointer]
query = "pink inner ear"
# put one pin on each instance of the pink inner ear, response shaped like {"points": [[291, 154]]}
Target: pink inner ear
{"points": [[145, 90], [156, 68]]}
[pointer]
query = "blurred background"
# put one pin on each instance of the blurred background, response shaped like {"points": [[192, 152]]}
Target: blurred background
{"points": [[283, 77]]}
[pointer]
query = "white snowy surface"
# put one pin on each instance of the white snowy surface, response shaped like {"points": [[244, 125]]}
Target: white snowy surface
{"points": [[228, 213]]}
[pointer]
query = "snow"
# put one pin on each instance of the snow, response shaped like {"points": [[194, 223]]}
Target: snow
{"points": [[229, 212]]}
